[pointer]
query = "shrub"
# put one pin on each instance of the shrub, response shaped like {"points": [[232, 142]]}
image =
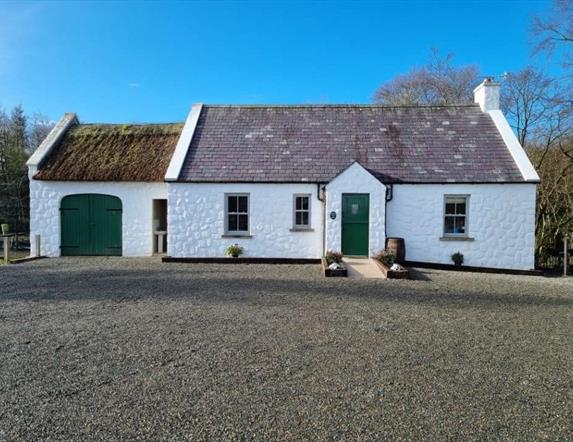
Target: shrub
{"points": [[333, 257], [458, 258], [386, 257], [235, 250]]}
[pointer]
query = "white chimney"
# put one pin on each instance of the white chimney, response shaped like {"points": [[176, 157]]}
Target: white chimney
{"points": [[487, 95]]}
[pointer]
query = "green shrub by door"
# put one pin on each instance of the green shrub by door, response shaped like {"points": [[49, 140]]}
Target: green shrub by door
{"points": [[355, 214], [91, 225]]}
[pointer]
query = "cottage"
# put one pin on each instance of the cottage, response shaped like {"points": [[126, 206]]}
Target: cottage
{"points": [[292, 182], [98, 189]]}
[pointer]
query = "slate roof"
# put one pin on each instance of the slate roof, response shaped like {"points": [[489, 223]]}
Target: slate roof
{"points": [[112, 152], [438, 144]]}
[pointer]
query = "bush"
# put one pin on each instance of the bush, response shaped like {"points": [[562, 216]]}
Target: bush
{"points": [[235, 250], [386, 257], [333, 257], [458, 258]]}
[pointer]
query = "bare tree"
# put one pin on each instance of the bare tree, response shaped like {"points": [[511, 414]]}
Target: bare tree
{"points": [[436, 83], [555, 31], [39, 129], [554, 200], [19, 136], [539, 110]]}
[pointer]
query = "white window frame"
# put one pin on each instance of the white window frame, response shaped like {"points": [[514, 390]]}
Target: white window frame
{"points": [[466, 216], [296, 226], [227, 213]]}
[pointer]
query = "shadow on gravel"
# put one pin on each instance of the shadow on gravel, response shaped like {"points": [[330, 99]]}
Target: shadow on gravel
{"points": [[418, 275], [238, 284]]}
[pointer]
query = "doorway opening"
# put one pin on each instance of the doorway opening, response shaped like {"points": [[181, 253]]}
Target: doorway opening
{"points": [[159, 226]]}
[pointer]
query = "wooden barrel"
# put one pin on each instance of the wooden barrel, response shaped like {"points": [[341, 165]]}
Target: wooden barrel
{"points": [[398, 248]]}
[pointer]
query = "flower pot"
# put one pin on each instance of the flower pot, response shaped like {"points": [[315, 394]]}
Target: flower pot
{"points": [[391, 274], [329, 273]]}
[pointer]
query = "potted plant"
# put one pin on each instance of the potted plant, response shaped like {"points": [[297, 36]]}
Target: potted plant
{"points": [[332, 264], [458, 259], [235, 250], [386, 262]]}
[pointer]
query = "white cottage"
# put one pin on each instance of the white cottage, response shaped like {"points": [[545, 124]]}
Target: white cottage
{"points": [[291, 182]]}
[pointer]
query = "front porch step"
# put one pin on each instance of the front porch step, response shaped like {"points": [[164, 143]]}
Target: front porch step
{"points": [[359, 268]]}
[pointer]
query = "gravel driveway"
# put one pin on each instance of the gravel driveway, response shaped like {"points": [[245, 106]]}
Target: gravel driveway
{"points": [[115, 348]]}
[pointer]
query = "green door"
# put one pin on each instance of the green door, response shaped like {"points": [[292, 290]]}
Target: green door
{"points": [[91, 225], [355, 214]]}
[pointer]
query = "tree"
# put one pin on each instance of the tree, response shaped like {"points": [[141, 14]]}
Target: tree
{"points": [[436, 83], [540, 113], [555, 31], [40, 127], [528, 99], [18, 138], [554, 201]]}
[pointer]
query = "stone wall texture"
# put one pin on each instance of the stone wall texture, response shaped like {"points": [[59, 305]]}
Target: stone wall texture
{"points": [[137, 202], [355, 179], [196, 221], [501, 219], [501, 222]]}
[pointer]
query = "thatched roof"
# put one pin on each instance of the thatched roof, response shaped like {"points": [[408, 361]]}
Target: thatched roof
{"points": [[112, 152]]}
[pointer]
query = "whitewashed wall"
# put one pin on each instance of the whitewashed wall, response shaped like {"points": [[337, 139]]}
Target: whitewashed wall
{"points": [[355, 179], [196, 223], [136, 199], [501, 222]]}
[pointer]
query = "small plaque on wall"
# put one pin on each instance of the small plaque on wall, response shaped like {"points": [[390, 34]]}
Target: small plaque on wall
{"points": [[333, 215]]}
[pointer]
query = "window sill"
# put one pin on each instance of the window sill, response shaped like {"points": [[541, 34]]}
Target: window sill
{"points": [[302, 229], [230, 235], [456, 238]]}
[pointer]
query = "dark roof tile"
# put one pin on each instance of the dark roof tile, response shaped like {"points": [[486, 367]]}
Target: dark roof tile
{"points": [[314, 143]]}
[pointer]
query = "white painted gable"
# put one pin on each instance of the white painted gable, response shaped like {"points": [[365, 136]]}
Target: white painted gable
{"points": [[356, 179]]}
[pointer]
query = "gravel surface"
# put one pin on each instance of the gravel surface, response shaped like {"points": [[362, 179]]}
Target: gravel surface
{"points": [[115, 348]]}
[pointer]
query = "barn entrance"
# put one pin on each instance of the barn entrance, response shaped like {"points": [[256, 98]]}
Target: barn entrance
{"points": [[91, 225]]}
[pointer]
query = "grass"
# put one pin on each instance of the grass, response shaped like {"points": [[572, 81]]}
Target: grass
{"points": [[14, 254]]}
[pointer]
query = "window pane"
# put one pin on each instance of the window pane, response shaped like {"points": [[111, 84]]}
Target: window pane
{"points": [[243, 223], [460, 225], [232, 220], [305, 218], [450, 208], [304, 202], [243, 204], [232, 204], [298, 204], [449, 224], [461, 208], [298, 218]]}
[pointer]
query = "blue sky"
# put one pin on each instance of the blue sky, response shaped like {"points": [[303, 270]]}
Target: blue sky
{"points": [[148, 62]]}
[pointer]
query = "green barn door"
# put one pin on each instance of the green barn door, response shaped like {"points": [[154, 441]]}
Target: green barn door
{"points": [[91, 225], [105, 225], [355, 214], [75, 219]]}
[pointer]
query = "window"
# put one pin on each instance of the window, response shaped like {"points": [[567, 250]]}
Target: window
{"points": [[301, 212], [237, 214], [456, 215]]}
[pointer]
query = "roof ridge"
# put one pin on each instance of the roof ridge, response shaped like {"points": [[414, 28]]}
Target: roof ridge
{"points": [[374, 106], [132, 124]]}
